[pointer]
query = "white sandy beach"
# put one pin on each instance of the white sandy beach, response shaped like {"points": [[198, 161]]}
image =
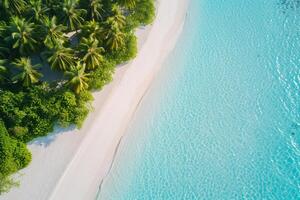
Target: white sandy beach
{"points": [[70, 164]]}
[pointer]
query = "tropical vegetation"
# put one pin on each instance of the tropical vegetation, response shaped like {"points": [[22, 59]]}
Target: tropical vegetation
{"points": [[53, 53]]}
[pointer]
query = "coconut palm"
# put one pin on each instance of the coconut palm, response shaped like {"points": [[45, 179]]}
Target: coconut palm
{"points": [[118, 19], [127, 3], [38, 9], [21, 35], [61, 58], [92, 29], [91, 53], [13, 6], [54, 33], [78, 78], [28, 74], [115, 39], [96, 7], [72, 15]]}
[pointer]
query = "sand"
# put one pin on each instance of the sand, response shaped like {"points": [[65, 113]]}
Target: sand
{"points": [[70, 164]]}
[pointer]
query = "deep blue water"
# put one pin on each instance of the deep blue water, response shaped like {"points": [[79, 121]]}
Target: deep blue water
{"points": [[222, 119]]}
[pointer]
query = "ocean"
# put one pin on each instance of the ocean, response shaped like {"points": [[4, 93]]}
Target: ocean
{"points": [[222, 118]]}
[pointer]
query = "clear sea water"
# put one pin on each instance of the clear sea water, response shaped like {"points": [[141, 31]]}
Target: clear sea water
{"points": [[222, 119]]}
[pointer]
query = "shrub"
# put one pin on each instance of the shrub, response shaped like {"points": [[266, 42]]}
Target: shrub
{"points": [[143, 14], [13, 157], [128, 52], [102, 75]]}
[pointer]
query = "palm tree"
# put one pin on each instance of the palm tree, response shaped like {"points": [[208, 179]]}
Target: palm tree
{"points": [[118, 19], [38, 9], [127, 3], [54, 33], [92, 53], [92, 29], [21, 35], [115, 39], [78, 78], [28, 74], [13, 6], [61, 58], [96, 7], [72, 15]]}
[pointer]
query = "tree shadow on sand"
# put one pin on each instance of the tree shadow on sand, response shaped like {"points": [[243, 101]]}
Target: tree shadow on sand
{"points": [[47, 140]]}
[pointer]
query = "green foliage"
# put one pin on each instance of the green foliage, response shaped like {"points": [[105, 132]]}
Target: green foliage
{"points": [[34, 113], [18, 131], [61, 58], [78, 78], [13, 157], [21, 35], [6, 183], [91, 53], [130, 4], [102, 75], [37, 9], [13, 154], [96, 9], [127, 52], [28, 74], [13, 6], [72, 15], [144, 13], [3, 71], [54, 32], [72, 109], [84, 40]]}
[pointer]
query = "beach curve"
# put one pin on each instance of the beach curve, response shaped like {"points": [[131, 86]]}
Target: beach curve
{"points": [[81, 177]]}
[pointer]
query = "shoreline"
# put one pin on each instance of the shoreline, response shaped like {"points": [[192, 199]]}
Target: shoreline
{"points": [[91, 152]]}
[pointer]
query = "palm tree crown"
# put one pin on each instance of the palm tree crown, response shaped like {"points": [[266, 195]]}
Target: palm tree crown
{"points": [[115, 39], [92, 53], [118, 19], [78, 78], [92, 29], [61, 58], [96, 7], [13, 6], [54, 33], [28, 74], [113, 35], [72, 16], [38, 9], [21, 35]]}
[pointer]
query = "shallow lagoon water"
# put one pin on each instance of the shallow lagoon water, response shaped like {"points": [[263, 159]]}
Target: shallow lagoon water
{"points": [[222, 119]]}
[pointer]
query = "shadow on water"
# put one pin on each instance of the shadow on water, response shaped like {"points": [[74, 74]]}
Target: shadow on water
{"points": [[47, 140]]}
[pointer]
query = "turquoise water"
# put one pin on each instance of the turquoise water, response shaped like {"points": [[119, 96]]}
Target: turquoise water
{"points": [[222, 119]]}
